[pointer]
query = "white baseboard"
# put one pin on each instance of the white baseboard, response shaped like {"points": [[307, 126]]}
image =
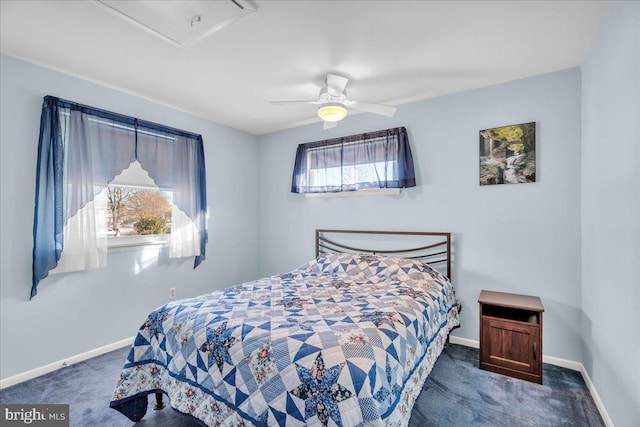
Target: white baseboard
{"points": [[33, 373], [464, 341], [564, 363], [596, 397]]}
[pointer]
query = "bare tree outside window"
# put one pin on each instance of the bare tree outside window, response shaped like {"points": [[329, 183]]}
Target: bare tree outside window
{"points": [[135, 211], [116, 199]]}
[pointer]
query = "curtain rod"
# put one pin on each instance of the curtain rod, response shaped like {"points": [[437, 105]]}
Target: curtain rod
{"points": [[356, 137], [105, 114]]}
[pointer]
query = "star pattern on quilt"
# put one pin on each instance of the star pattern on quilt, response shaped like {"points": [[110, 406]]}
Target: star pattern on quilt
{"points": [[369, 258], [320, 391], [289, 302], [272, 339], [413, 293], [154, 324], [339, 283], [287, 276], [380, 317], [219, 340]]}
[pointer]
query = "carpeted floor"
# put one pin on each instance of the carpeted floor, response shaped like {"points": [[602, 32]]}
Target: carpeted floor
{"points": [[457, 393]]}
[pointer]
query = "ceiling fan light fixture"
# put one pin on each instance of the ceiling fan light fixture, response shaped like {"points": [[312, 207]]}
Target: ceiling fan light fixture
{"points": [[333, 112]]}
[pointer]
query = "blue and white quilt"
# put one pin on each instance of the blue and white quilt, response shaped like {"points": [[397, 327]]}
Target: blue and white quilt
{"points": [[344, 340]]}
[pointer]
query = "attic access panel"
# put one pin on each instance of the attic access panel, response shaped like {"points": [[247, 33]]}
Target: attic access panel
{"points": [[183, 22]]}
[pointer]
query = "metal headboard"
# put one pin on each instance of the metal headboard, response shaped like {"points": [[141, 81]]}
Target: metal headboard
{"points": [[434, 249]]}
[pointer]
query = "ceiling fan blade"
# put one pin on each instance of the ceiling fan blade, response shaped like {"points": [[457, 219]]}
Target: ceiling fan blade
{"points": [[315, 101], [329, 125], [336, 84], [383, 110]]}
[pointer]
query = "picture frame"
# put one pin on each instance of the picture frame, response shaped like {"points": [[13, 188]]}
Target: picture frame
{"points": [[508, 154]]}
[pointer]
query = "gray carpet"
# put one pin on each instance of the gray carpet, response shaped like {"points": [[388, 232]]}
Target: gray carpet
{"points": [[457, 393]]}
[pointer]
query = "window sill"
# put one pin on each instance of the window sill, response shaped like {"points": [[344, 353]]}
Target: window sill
{"points": [[132, 243], [365, 192]]}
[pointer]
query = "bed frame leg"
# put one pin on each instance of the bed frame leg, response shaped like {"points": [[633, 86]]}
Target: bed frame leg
{"points": [[159, 403]]}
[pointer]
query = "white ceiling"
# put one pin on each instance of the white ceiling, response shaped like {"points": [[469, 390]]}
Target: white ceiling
{"points": [[393, 51]]}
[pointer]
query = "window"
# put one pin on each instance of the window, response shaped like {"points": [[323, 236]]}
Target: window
{"points": [[138, 213], [372, 161], [82, 153]]}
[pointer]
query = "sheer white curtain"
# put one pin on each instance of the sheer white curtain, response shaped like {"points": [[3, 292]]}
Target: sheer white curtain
{"points": [[85, 238], [176, 162], [184, 239]]}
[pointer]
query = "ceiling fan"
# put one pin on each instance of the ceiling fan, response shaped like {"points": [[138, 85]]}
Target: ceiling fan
{"points": [[334, 104]]}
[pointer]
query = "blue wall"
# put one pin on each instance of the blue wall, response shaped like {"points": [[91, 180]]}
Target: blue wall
{"points": [[517, 238], [611, 213], [77, 312]]}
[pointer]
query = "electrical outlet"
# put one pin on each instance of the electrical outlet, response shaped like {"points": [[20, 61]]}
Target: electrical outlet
{"points": [[172, 292]]}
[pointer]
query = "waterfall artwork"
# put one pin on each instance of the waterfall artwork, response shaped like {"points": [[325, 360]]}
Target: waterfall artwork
{"points": [[508, 154]]}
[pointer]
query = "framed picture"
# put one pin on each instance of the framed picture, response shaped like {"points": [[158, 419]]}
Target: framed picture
{"points": [[508, 154]]}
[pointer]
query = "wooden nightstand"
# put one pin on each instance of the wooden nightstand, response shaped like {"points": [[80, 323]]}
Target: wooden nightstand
{"points": [[511, 335]]}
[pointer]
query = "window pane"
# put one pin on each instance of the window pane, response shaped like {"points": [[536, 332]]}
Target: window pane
{"points": [[380, 159], [135, 211]]}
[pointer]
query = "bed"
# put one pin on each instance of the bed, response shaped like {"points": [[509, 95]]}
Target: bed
{"points": [[347, 339]]}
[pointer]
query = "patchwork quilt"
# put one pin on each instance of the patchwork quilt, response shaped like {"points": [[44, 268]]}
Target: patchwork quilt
{"points": [[344, 340]]}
